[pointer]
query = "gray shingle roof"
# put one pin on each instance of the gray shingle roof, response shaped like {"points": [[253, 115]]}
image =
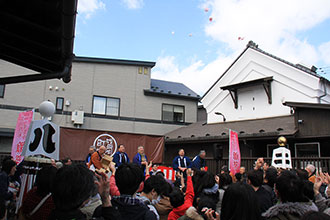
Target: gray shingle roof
{"points": [[283, 125], [172, 88]]}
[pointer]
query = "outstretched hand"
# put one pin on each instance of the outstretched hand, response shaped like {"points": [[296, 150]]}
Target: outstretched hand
{"points": [[317, 184], [103, 184], [189, 172], [324, 177], [217, 179], [112, 168], [210, 214]]}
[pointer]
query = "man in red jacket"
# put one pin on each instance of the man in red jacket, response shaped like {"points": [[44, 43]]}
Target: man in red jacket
{"points": [[180, 202]]}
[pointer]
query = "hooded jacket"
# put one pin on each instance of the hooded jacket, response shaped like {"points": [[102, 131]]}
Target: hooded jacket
{"points": [[101, 213], [163, 208], [132, 209], [289, 210]]}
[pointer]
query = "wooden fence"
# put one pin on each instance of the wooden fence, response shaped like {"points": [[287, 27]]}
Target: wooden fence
{"points": [[321, 163]]}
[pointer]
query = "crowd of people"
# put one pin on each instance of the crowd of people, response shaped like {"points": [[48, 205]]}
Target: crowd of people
{"points": [[138, 190]]}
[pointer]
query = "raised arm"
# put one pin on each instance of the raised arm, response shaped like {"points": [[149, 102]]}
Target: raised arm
{"points": [[148, 170], [189, 198], [113, 187]]}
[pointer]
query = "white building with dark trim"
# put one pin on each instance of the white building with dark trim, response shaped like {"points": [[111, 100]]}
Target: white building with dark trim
{"points": [[262, 97]]}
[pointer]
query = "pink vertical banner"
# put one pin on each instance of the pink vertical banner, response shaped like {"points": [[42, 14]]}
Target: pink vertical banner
{"points": [[22, 127], [234, 153]]}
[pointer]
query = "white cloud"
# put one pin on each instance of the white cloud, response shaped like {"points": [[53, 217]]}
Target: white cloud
{"points": [[87, 7], [133, 4], [325, 52], [273, 25], [197, 76]]}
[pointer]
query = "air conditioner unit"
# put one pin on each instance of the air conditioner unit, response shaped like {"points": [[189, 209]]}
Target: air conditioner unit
{"points": [[77, 117]]}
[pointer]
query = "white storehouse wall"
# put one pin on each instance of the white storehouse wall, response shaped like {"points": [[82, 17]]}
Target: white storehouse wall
{"points": [[289, 84]]}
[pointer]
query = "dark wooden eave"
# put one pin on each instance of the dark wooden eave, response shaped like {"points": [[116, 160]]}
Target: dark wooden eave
{"points": [[264, 82], [38, 35], [307, 105]]}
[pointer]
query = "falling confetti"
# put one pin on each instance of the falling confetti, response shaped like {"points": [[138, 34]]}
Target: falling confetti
{"points": [[190, 35], [210, 19], [206, 10], [240, 38]]}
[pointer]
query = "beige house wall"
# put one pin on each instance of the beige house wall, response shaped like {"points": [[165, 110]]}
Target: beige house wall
{"points": [[88, 79]]}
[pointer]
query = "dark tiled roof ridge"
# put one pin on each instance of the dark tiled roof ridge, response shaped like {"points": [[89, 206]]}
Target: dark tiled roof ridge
{"points": [[167, 81], [279, 124], [254, 46], [114, 61]]}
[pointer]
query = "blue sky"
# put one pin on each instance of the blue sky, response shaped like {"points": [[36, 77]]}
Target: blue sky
{"points": [[146, 33], [188, 48]]}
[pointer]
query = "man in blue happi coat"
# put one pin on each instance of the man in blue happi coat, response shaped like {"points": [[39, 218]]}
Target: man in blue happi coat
{"points": [[141, 158], [199, 161], [181, 162], [120, 156]]}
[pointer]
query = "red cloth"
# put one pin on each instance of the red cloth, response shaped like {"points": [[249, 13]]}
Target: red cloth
{"points": [[188, 201], [31, 200]]}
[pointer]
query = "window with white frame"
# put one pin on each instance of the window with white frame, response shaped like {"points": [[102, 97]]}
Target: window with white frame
{"points": [[106, 106], [173, 113]]}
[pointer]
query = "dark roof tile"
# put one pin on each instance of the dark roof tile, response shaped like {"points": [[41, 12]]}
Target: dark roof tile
{"points": [[172, 88]]}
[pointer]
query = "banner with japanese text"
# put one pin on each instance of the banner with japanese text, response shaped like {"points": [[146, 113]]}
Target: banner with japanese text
{"points": [[234, 152], [22, 127]]}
